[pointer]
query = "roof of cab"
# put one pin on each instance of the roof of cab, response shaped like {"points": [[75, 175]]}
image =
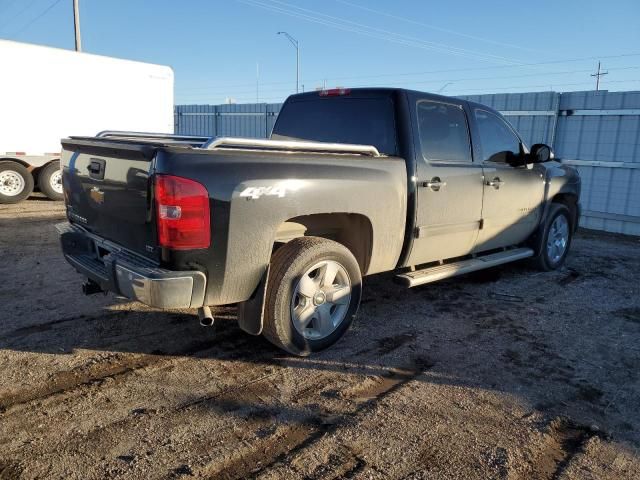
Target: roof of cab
{"points": [[372, 91]]}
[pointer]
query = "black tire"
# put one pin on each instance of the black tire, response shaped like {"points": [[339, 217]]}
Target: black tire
{"points": [[44, 181], [288, 264], [8, 172], [543, 261]]}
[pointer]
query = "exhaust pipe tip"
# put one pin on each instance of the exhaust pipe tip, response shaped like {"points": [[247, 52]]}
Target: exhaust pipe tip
{"points": [[90, 287], [206, 322], [205, 316]]}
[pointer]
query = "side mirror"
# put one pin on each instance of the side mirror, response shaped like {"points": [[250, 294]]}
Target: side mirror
{"points": [[541, 153]]}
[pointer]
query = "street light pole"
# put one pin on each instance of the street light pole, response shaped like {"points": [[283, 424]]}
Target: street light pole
{"points": [[76, 24], [295, 44]]}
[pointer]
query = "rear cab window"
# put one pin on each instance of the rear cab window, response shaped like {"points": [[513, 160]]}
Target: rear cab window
{"points": [[342, 119], [444, 132]]}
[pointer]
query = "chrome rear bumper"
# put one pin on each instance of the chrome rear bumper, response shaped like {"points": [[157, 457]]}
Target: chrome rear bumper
{"points": [[128, 274]]}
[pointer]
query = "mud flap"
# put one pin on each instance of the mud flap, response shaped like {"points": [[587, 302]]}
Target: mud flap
{"points": [[251, 312]]}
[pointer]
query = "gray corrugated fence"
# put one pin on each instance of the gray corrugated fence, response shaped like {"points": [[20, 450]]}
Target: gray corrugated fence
{"points": [[253, 120], [597, 132]]}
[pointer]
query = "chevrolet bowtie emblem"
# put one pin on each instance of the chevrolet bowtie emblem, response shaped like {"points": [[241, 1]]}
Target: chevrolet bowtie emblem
{"points": [[97, 195]]}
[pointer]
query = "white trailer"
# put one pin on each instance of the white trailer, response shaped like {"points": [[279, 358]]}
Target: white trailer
{"points": [[48, 93]]}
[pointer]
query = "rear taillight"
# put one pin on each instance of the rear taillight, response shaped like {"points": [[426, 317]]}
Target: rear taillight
{"points": [[182, 209]]}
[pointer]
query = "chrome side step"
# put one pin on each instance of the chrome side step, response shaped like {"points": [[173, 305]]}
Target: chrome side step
{"points": [[439, 272]]}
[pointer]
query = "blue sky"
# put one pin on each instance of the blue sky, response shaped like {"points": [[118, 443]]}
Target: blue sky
{"points": [[456, 47]]}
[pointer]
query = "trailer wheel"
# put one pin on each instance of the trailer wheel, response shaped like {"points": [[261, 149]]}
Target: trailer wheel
{"points": [[16, 182], [313, 294], [50, 181]]}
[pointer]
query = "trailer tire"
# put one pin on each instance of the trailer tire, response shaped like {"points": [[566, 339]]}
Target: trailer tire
{"points": [[313, 294], [16, 182], [50, 181]]}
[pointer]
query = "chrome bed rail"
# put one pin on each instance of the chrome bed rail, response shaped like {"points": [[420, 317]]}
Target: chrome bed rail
{"points": [[305, 146], [212, 143]]}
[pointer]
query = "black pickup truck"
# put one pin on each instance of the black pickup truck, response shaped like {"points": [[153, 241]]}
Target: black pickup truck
{"points": [[351, 183]]}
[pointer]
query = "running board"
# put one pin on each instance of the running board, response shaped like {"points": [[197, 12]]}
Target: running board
{"points": [[439, 272]]}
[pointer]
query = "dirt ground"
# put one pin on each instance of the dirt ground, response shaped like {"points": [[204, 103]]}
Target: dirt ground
{"points": [[510, 374]]}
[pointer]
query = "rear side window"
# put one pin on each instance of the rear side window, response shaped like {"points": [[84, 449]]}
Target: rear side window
{"points": [[444, 135], [365, 121], [498, 142]]}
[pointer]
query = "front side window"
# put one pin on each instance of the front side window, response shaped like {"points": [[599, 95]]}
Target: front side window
{"points": [[444, 136], [499, 143]]}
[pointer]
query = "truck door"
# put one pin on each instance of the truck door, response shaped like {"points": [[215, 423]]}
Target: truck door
{"points": [[513, 195], [449, 184]]}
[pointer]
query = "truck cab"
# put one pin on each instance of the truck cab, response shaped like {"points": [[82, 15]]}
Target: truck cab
{"points": [[473, 185]]}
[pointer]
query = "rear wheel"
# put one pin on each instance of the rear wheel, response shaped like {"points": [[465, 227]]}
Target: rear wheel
{"points": [[313, 295], [556, 238], [50, 181], [16, 182]]}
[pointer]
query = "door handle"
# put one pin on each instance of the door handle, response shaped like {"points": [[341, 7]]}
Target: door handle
{"points": [[495, 183], [434, 184]]}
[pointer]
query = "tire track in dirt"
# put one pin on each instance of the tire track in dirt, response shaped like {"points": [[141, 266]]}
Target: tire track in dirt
{"points": [[113, 366], [356, 402], [49, 325], [564, 441], [255, 442], [162, 421]]}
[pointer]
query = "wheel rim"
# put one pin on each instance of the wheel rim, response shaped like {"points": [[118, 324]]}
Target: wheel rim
{"points": [[321, 300], [558, 238], [11, 183], [55, 181]]}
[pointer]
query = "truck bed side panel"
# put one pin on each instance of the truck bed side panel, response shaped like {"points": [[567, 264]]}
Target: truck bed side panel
{"points": [[258, 191]]}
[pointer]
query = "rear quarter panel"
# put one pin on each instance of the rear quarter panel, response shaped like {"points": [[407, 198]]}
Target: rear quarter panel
{"points": [[253, 193]]}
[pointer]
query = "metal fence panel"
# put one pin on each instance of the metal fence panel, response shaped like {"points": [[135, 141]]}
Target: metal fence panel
{"points": [[597, 132], [235, 120]]}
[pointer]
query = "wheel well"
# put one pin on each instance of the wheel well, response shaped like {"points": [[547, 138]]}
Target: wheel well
{"points": [[16, 160], [352, 230], [571, 202]]}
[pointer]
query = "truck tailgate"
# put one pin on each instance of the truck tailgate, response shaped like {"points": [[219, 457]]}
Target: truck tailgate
{"points": [[107, 191]]}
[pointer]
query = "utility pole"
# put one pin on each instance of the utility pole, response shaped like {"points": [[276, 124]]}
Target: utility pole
{"points": [[257, 83], [598, 74], [76, 24], [295, 44]]}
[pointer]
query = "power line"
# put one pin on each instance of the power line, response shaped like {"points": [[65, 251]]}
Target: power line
{"points": [[431, 81], [29, 5], [44, 12], [433, 27], [486, 90], [373, 32], [546, 85], [429, 72]]}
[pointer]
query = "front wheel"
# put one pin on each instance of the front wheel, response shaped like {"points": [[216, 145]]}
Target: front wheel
{"points": [[556, 239], [313, 294], [50, 181]]}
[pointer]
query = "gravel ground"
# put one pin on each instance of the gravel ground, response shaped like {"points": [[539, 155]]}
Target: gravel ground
{"points": [[508, 374]]}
